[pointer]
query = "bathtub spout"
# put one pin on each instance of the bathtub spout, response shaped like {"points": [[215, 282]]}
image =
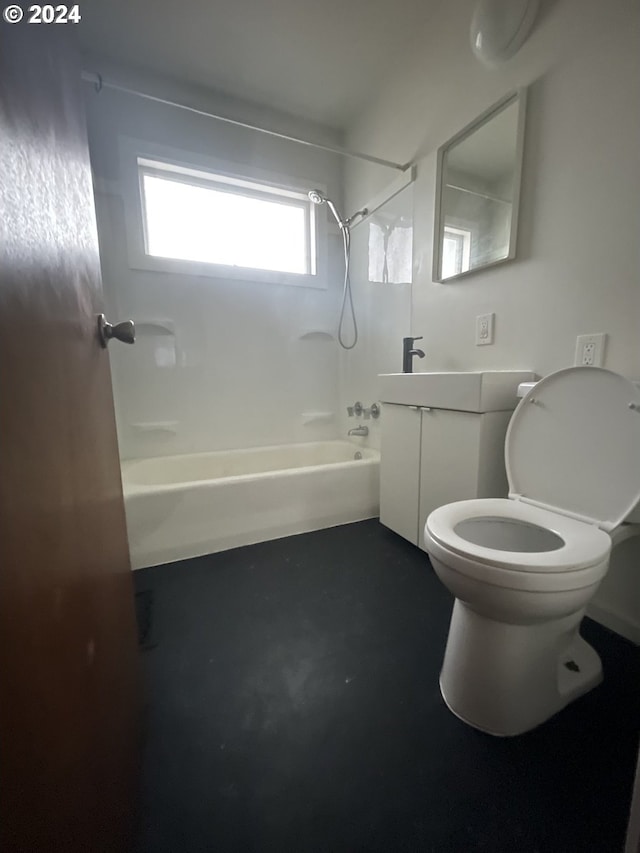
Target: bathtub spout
{"points": [[359, 430]]}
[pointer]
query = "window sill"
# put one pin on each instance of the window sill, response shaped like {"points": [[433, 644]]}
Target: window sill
{"points": [[176, 266]]}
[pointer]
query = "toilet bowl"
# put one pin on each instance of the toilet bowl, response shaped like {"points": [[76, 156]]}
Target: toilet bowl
{"points": [[523, 568]]}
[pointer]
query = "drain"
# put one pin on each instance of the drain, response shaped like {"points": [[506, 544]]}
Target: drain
{"points": [[357, 455], [572, 666]]}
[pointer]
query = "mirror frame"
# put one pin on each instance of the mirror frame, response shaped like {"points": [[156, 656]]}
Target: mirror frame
{"points": [[518, 96]]}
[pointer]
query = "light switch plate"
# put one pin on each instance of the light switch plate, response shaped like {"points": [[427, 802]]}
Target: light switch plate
{"points": [[484, 329]]}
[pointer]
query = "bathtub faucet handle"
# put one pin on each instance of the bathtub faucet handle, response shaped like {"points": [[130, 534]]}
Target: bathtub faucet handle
{"points": [[372, 412]]}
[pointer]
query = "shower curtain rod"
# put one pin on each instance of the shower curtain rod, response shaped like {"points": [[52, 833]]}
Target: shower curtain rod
{"points": [[101, 83]]}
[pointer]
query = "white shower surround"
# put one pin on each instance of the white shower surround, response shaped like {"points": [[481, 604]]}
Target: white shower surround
{"points": [[186, 506]]}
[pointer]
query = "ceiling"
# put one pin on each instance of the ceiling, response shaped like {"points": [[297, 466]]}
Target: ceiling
{"points": [[319, 59]]}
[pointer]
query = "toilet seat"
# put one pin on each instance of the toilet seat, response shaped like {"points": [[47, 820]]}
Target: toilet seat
{"points": [[580, 561], [573, 446], [582, 544]]}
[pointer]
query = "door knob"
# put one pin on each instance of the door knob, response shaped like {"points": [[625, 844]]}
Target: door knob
{"points": [[124, 331]]}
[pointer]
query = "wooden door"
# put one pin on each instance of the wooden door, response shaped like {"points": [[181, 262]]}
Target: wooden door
{"points": [[69, 710]]}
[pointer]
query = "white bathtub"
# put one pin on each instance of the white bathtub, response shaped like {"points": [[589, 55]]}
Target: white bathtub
{"points": [[186, 506]]}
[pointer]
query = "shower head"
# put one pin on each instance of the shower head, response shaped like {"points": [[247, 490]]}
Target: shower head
{"points": [[318, 197]]}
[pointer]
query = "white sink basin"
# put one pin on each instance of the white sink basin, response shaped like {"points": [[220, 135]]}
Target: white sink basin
{"points": [[465, 391]]}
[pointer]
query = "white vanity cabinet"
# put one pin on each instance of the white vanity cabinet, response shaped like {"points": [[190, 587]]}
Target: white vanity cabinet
{"points": [[431, 456], [400, 469]]}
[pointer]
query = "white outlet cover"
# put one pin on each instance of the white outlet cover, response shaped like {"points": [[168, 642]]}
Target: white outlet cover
{"points": [[590, 350]]}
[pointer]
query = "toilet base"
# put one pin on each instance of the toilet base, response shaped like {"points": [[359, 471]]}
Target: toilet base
{"points": [[506, 679]]}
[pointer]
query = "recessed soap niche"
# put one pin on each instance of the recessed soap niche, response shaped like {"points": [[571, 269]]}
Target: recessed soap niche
{"points": [[316, 335], [156, 339], [167, 427]]}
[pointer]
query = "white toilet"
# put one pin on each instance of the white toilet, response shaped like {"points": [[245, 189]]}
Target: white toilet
{"points": [[523, 569]]}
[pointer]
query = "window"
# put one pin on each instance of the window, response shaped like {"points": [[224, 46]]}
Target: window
{"points": [[205, 218], [456, 251]]}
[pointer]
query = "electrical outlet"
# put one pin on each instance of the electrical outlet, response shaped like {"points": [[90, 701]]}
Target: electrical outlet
{"points": [[590, 350], [484, 329]]}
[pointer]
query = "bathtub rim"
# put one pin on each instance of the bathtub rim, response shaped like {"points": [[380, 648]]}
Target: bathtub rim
{"points": [[130, 489]]}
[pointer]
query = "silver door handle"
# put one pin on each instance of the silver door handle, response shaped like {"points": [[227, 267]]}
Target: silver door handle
{"points": [[124, 331]]}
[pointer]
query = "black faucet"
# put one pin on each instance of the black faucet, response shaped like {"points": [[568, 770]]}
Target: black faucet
{"points": [[408, 353]]}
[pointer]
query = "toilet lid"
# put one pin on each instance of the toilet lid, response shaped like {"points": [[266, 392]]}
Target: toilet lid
{"points": [[573, 446]]}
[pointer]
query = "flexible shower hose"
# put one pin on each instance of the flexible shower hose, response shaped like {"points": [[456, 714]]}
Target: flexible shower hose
{"points": [[346, 291]]}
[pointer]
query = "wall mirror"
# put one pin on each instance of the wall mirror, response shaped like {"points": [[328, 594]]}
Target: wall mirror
{"points": [[478, 190]]}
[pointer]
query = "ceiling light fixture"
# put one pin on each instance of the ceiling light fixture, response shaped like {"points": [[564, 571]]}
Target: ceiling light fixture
{"points": [[499, 28]]}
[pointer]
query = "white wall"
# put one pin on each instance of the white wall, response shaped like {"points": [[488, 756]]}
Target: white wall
{"points": [[236, 373], [577, 266]]}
